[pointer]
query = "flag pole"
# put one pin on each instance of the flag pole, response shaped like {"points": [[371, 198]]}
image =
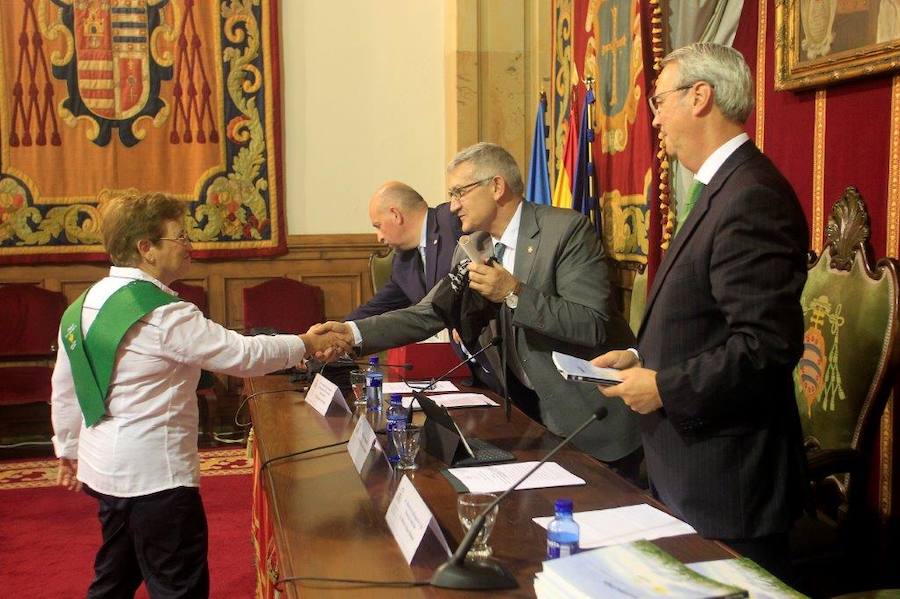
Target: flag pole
{"points": [[592, 185]]}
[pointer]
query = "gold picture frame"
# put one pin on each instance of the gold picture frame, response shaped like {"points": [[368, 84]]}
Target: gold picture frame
{"points": [[819, 42]]}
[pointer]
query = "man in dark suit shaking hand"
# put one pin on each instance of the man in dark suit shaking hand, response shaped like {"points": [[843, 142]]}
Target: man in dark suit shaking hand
{"points": [[423, 240], [723, 327]]}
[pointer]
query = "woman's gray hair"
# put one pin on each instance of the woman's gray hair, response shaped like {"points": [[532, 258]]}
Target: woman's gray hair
{"points": [[489, 160], [132, 215], [724, 68]]}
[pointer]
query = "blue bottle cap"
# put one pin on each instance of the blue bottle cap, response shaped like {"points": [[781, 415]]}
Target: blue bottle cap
{"points": [[373, 360], [564, 506], [397, 398]]}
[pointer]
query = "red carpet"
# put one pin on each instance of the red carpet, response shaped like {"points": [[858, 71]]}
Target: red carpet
{"points": [[48, 538]]}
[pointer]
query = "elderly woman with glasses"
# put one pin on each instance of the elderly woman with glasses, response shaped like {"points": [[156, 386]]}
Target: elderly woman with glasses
{"points": [[124, 408]]}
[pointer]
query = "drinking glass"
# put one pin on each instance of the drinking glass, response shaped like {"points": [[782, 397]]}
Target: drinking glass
{"points": [[469, 506], [358, 382], [406, 442]]}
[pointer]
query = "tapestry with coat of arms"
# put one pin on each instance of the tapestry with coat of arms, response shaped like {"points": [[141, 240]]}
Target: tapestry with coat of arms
{"points": [[604, 42], [178, 96]]}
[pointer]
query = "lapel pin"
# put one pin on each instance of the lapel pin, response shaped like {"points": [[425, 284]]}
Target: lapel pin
{"points": [[530, 249]]}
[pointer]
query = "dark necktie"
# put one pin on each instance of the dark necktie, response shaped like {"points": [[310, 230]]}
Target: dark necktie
{"points": [[420, 268], [499, 250]]}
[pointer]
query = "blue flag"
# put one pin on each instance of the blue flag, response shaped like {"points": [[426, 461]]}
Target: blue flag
{"points": [[584, 195], [538, 190]]}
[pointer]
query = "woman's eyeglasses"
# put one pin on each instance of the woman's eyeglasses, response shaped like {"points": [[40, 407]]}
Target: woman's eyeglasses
{"points": [[182, 239]]}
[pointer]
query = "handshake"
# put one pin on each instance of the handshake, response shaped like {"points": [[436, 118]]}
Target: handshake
{"points": [[328, 341]]}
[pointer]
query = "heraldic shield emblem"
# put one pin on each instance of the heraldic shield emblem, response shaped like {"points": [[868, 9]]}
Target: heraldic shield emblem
{"points": [[178, 96], [111, 75], [850, 321], [818, 373]]}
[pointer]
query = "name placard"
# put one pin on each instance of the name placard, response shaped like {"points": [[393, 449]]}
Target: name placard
{"points": [[361, 441], [323, 393], [409, 518]]}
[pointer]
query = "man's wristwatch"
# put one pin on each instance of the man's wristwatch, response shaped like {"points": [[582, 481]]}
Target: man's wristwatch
{"points": [[512, 298]]}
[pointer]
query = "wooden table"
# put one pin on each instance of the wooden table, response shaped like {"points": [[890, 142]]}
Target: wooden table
{"points": [[328, 520]]}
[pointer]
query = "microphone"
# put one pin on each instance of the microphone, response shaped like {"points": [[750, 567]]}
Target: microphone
{"points": [[493, 343], [456, 573], [478, 255]]}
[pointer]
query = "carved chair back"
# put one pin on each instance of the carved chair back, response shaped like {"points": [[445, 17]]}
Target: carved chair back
{"points": [[844, 377]]}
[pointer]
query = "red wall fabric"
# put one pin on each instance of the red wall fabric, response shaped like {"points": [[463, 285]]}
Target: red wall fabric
{"points": [[857, 130], [857, 148]]}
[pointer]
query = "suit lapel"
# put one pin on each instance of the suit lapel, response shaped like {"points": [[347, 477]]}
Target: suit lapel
{"points": [[738, 157], [527, 243], [432, 247]]}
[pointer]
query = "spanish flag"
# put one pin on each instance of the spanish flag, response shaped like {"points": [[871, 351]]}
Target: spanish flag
{"points": [[562, 193]]}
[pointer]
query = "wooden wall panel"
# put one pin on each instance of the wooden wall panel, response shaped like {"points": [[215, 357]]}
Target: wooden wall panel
{"points": [[339, 264]]}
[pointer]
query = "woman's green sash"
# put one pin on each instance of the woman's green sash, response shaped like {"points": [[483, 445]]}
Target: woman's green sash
{"points": [[94, 357]]}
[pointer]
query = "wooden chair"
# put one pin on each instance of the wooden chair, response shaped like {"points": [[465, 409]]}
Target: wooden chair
{"points": [[846, 373], [29, 330], [283, 305], [380, 266]]}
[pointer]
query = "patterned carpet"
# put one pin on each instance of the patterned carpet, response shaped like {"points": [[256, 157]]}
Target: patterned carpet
{"points": [[32, 474]]}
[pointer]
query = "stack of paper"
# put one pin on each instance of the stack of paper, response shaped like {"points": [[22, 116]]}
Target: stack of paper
{"points": [[747, 574], [639, 569], [453, 400], [494, 479], [624, 524]]}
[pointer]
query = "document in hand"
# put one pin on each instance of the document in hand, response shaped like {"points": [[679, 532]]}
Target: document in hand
{"points": [[638, 569], [624, 524], [575, 369]]}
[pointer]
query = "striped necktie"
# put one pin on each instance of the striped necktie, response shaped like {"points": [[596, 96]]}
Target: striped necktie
{"points": [[693, 193]]}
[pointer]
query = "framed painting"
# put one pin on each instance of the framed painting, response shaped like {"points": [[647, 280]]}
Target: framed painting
{"points": [[820, 42]]}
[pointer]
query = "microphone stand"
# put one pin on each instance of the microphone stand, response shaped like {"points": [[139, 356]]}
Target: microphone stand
{"points": [[507, 402], [404, 366], [494, 343], [456, 573]]}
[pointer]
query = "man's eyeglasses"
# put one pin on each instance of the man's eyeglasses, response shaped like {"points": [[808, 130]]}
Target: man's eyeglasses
{"points": [[654, 100], [182, 239], [457, 193]]}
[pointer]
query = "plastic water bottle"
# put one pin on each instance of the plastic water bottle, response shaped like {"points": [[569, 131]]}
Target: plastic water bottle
{"points": [[396, 419], [562, 532], [374, 379]]}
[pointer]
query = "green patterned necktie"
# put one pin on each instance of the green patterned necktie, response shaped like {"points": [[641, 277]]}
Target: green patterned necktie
{"points": [[689, 201]]}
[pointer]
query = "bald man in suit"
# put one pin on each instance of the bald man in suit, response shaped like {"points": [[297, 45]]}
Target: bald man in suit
{"points": [[423, 240]]}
